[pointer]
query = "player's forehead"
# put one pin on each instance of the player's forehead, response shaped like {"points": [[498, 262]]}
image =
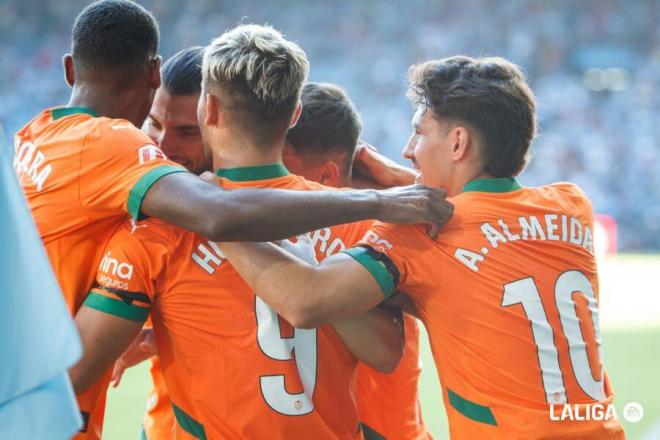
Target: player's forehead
{"points": [[174, 110], [422, 118]]}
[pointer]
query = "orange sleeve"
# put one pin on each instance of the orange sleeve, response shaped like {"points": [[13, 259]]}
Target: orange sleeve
{"points": [[399, 258], [118, 168], [127, 276]]}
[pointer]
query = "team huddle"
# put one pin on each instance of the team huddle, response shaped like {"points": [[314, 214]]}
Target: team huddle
{"points": [[219, 217]]}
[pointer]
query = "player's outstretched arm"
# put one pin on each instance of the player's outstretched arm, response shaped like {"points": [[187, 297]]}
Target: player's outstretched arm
{"points": [[375, 170], [264, 215], [307, 296], [374, 337], [104, 337]]}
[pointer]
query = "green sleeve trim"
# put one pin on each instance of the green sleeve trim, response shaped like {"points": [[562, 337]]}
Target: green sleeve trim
{"points": [[140, 189], [116, 307], [376, 269], [188, 424], [370, 433], [471, 410]]}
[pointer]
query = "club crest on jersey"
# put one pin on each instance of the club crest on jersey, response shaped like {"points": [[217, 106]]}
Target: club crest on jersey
{"points": [[149, 152], [116, 268]]}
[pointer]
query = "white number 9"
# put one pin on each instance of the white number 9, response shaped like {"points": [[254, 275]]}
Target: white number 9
{"points": [[273, 345]]}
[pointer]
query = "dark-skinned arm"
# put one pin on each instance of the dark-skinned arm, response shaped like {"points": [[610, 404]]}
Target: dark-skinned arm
{"points": [[104, 337], [267, 214]]}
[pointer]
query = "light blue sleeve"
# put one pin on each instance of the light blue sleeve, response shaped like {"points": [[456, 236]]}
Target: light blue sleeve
{"points": [[39, 339], [47, 411]]}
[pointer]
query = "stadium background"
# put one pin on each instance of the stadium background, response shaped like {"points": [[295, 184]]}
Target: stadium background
{"points": [[594, 66]]}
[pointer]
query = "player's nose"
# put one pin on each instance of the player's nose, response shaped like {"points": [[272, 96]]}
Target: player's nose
{"points": [[408, 151]]}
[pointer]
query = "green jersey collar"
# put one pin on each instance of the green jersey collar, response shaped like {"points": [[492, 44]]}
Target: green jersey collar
{"points": [[61, 112], [246, 174], [493, 185]]}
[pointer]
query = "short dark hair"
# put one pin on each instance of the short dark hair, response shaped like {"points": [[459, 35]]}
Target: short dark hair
{"points": [[489, 95], [114, 35], [182, 73], [329, 124]]}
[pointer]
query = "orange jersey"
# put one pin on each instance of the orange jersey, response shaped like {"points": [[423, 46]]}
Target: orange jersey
{"points": [[82, 177], [233, 368], [388, 404], [158, 423], [508, 293]]}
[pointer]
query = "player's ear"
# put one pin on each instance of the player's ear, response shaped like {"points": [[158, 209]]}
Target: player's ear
{"points": [[330, 174], [460, 138], [296, 115], [212, 107], [69, 74], [154, 72]]}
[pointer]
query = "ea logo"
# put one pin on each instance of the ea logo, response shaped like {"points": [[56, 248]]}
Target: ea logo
{"points": [[633, 412]]}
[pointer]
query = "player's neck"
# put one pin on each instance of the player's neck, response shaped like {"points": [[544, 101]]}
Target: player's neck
{"points": [[106, 103], [466, 178], [240, 155]]}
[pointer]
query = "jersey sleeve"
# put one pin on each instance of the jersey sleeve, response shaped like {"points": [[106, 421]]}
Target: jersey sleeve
{"points": [[399, 258], [118, 168], [127, 276]]}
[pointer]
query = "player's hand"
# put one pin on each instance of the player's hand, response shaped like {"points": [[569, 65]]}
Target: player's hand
{"points": [[382, 171], [303, 248], [141, 349], [416, 204]]}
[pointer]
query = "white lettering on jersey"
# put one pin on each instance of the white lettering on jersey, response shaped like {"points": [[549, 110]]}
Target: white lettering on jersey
{"points": [[115, 267], [551, 227], [208, 259], [531, 228], [320, 239], [492, 234], [469, 258], [32, 162], [375, 240]]}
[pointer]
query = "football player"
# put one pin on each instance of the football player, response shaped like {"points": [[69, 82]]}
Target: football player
{"points": [[85, 168], [508, 291], [232, 368]]}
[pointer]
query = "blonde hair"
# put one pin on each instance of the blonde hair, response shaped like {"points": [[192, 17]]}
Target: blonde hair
{"points": [[257, 62]]}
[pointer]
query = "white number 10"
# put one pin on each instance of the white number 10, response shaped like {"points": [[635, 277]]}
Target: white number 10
{"points": [[526, 293], [273, 345]]}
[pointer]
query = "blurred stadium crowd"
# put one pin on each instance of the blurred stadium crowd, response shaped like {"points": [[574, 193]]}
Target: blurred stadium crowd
{"points": [[594, 66]]}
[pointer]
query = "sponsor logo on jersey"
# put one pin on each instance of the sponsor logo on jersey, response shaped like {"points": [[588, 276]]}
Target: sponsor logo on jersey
{"points": [[116, 268], [135, 225], [149, 152]]}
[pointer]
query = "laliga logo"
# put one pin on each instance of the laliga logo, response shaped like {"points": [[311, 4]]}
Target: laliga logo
{"points": [[148, 153], [633, 412], [112, 266]]}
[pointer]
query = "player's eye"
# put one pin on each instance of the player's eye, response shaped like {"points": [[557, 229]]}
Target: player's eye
{"points": [[189, 133], [153, 123]]}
